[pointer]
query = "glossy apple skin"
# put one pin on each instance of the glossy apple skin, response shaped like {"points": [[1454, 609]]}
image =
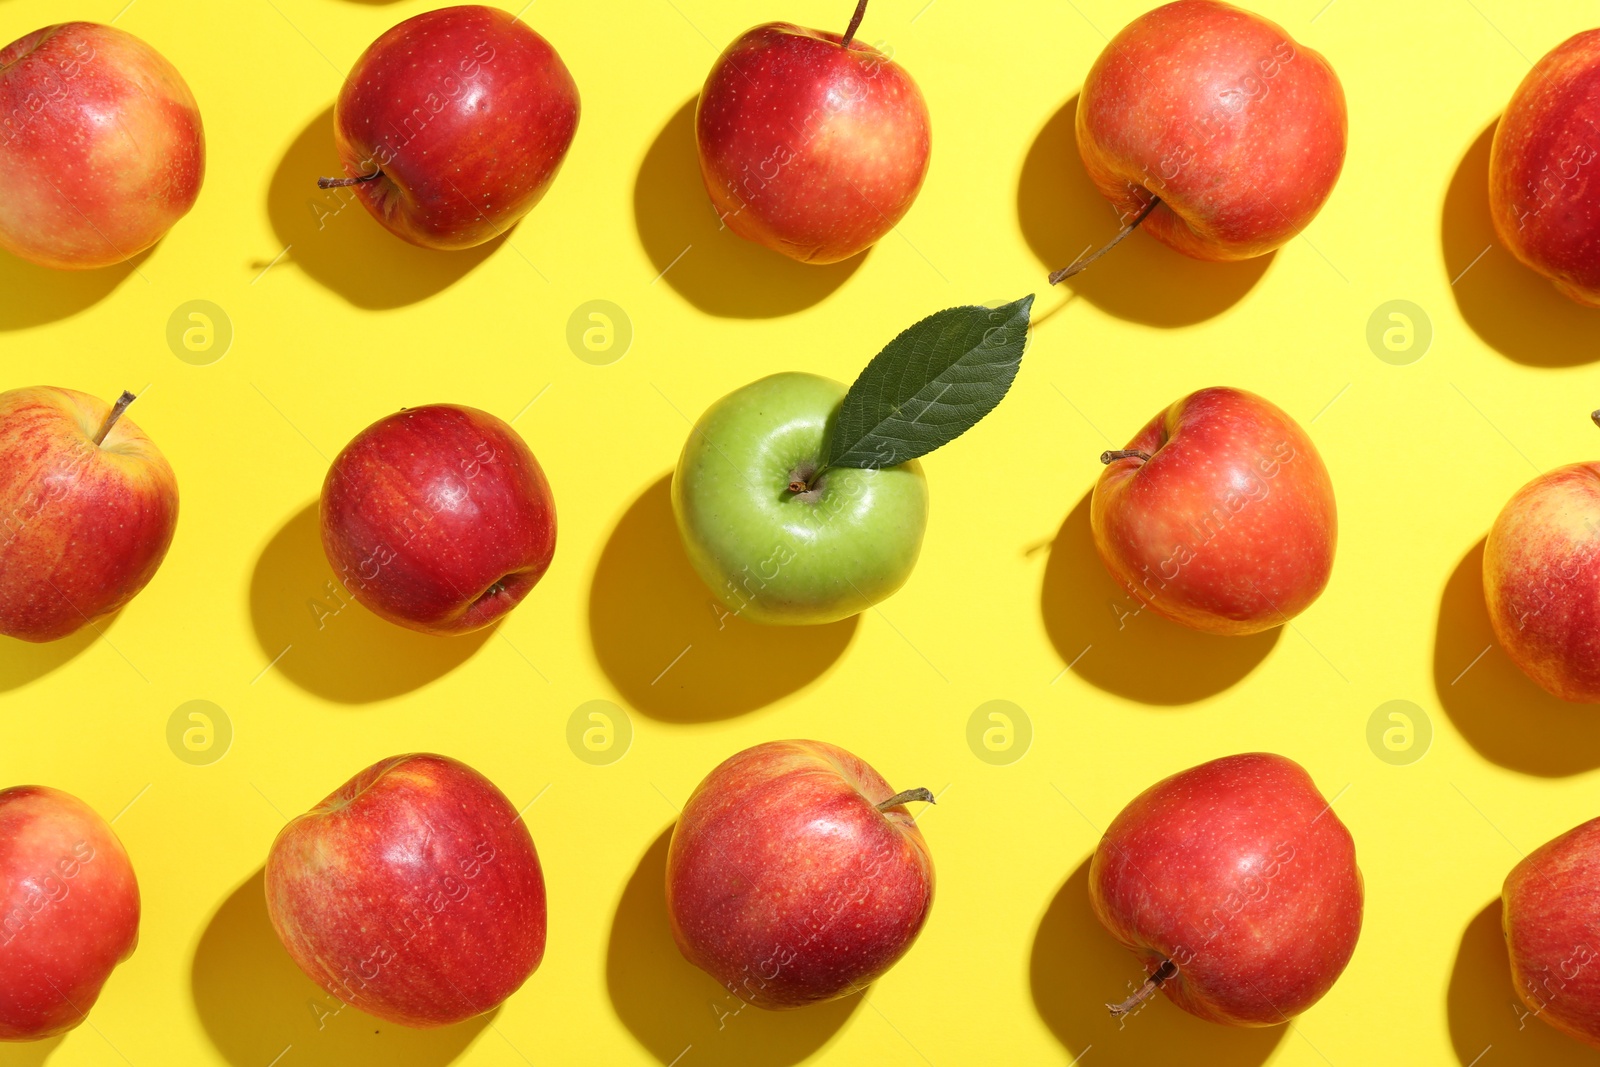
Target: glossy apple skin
{"points": [[1543, 166], [784, 881], [413, 892], [1236, 127], [467, 112], [1238, 872], [807, 147], [1230, 528], [1541, 581], [438, 518], [775, 557], [101, 147], [83, 528], [1551, 908], [69, 911]]}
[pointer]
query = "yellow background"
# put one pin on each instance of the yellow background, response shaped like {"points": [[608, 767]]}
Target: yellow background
{"points": [[349, 324]]}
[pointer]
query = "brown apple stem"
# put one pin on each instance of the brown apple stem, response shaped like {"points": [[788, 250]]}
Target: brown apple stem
{"points": [[340, 183], [855, 24], [920, 793], [1144, 992], [116, 413], [1078, 266], [1124, 453], [805, 477], [1595, 415]]}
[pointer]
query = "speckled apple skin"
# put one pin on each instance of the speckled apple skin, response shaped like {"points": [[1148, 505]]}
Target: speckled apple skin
{"points": [[1544, 169], [413, 892], [1239, 872], [784, 882], [438, 518], [1231, 526], [83, 528], [69, 911], [1541, 581], [1236, 127], [810, 148], [101, 147], [1550, 912], [467, 112]]}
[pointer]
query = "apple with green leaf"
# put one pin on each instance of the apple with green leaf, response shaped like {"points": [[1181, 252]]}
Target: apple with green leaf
{"points": [[801, 502]]}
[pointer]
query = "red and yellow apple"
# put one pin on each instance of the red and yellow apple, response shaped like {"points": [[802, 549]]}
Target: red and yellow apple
{"points": [[795, 874], [69, 911], [810, 145], [1541, 580], [452, 125], [101, 148], [88, 506], [1237, 129], [413, 892], [1236, 886], [1218, 515], [1550, 909], [438, 518], [1543, 166]]}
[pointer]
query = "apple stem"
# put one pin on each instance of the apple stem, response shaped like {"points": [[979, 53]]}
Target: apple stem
{"points": [[340, 183], [1124, 453], [920, 793], [116, 413], [805, 477], [1143, 993], [1079, 265], [855, 24], [1595, 415]]}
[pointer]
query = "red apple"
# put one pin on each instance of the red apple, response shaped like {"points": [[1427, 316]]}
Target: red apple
{"points": [[1218, 515], [1543, 166], [438, 518], [452, 125], [1541, 579], [1551, 908], [1236, 885], [413, 892], [795, 874], [810, 145], [101, 148], [88, 507], [1219, 114], [69, 911]]}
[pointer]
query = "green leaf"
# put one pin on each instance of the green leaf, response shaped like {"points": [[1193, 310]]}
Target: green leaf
{"points": [[930, 385]]}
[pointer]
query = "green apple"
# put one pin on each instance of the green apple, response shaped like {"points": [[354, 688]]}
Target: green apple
{"points": [[777, 543]]}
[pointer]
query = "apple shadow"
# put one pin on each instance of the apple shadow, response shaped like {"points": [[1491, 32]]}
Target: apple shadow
{"points": [[709, 265], [327, 643], [668, 1004], [1502, 712], [330, 235], [1063, 215], [1484, 1008], [1141, 656], [22, 662], [1077, 968], [671, 648], [254, 1002], [29, 1053], [1513, 309], [37, 295]]}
